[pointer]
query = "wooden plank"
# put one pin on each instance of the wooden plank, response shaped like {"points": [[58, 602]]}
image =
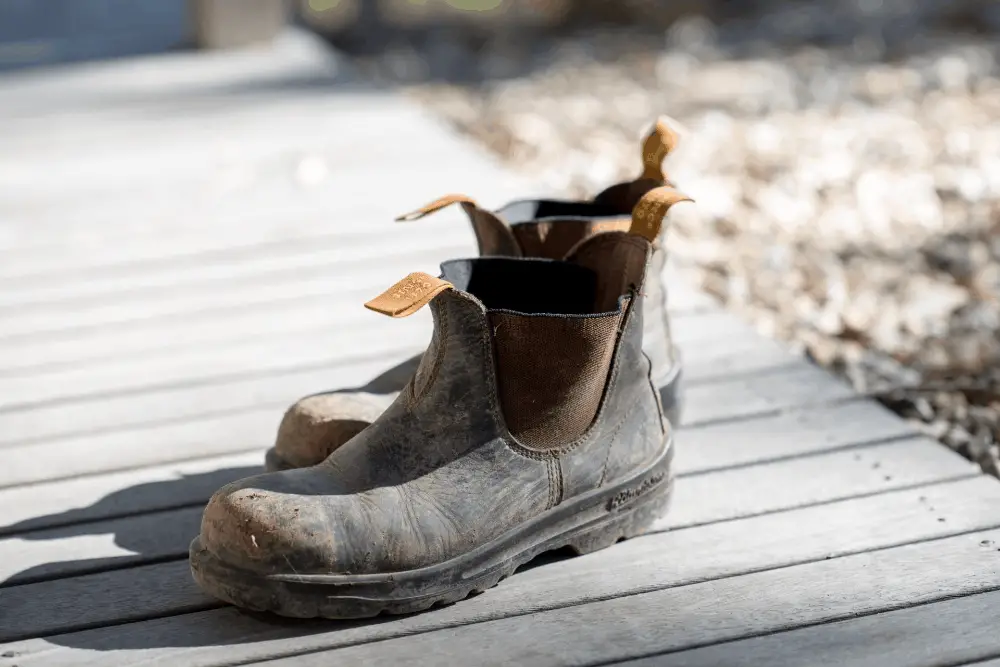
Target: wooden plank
{"points": [[158, 487], [307, 319], [164, 308], [769, 392], [50, 400], [86, 500], [338, 344], [166, 534], [197, 162], [153, 590], [277, 194], [269, 234], [221, 419], [716, 324], [950, 632], [310, 318], [690, 616], [224, 176], [733, 357], [786, 435], [62, 553], [343, 252], [751, 545], [683, 596], [734, 493], [133, 448]]}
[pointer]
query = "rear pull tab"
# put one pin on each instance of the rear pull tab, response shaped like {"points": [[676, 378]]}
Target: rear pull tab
{"points": [[437, 205], [492, 234], [648, 214], [658, 145], [408, 295]]}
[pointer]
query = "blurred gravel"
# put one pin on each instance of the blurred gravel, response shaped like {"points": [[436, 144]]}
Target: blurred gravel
{"points": [[845, 157]]}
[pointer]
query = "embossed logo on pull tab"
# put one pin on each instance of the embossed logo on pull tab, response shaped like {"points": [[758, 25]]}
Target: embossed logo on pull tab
{"points": [[648, 214], [408, 295]]}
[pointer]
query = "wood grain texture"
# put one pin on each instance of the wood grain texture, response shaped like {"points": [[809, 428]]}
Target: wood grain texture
{"points": [[950, 632], [742, 492], [61, 553], [310, 306], [156, 487], [181, 246], [178, 422], [692, 615], [764, 393], [85, 500], [180, 380], [712, 552], [232, 337], [155, 535], [787, 434]]}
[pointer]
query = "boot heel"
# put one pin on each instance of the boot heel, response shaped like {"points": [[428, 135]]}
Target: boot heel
{"points": [[626, 524]]}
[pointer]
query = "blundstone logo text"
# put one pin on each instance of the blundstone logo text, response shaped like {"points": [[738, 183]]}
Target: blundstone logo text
{"points": [[410, 288], [628, 495]]}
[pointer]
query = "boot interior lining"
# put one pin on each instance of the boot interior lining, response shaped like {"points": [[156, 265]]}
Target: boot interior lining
{"points": [[531, 210], [528, 286]]}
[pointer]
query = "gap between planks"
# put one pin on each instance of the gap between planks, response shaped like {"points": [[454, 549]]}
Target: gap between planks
{"points": [[947, 632], [767, 393], [691, 616], [700, 450], [775, 557], [735, 494], [310, 319], [206, 376]]}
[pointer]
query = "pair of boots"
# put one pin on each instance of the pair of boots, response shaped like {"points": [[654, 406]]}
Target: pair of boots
{"points": [[538, 417]]}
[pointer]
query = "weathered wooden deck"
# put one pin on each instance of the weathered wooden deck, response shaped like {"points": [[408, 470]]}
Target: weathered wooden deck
{"points": [[185, 245]]}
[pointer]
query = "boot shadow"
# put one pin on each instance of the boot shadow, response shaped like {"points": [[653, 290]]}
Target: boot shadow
{"points": [[155, 522], [389, 382], [158, 535]]}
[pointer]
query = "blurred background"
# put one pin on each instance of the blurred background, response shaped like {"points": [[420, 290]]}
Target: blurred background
{"points": [[844, 154]]}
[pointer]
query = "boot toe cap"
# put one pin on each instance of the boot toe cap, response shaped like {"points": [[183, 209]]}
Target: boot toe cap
{"points": [[266, 524]]}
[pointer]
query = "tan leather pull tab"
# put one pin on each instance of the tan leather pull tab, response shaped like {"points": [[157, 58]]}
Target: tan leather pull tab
{"points": [[655, 149], [648, 214], [492, 234], [436, 205], [408, 295]]}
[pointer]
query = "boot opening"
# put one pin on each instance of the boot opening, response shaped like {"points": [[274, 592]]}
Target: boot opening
{"points": [[527, 286], [527, 211], [550, 228], [555, 327]]}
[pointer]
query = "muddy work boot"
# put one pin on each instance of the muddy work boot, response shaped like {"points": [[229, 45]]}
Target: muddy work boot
{"points": [[532, 423], [548, 228]]}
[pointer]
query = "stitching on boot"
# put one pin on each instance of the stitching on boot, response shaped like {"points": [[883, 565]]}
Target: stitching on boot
{"points": [[557, 473], [652, 387], [551, 500], [613, 436]]}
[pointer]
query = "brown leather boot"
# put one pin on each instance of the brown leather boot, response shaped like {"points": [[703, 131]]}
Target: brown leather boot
{"points": [[532, 423], [316, 425]]}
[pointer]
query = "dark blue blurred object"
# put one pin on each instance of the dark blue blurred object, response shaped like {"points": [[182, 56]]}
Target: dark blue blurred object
{"points": [[38, 32]]}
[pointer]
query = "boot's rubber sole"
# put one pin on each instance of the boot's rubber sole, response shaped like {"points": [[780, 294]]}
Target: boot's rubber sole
{"points": [[590, 522], [671, 398]]}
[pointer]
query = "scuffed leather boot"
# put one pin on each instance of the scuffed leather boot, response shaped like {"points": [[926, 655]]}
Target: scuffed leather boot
{"points": [[532, 423], [316, 425]]}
